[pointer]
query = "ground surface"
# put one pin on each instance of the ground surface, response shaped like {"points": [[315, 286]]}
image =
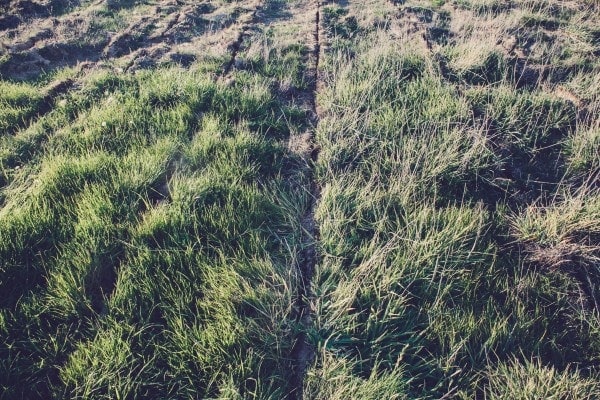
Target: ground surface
{"points": [[300, 199]]}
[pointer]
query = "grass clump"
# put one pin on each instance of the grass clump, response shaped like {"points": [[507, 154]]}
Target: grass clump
{"points": [[484, 7], [540, 21], [527, 120], [583, 150], [109, 361], [477, 66], [533, 380], [335, 381], [18, 103], [565, 233]]}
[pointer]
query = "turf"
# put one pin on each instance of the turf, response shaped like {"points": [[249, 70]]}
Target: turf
{"points": [[289, 199], [459, 245]]}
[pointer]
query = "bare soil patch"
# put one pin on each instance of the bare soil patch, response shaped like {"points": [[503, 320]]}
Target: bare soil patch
{"points": [[35, 41]]}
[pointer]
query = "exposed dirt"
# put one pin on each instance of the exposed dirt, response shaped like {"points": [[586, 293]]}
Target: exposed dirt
{"points": [[171, 32], [236, 45], [423, 27], [53, 93], [303, 352], [295, 25]]}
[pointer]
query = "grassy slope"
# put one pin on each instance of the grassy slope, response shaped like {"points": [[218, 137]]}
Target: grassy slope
{"points": [[442, 277]]}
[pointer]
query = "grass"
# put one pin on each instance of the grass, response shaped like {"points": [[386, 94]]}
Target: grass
{"points": [[535, 381], [477, 65], [18, 103], [582, 149], [564, 233], [159, 215], [432, 279], [529, 120], [153, 223], [484, 7]]}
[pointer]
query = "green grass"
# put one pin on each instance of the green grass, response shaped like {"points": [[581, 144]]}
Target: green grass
{"points": [[529, 120], [18, 103], [150, 228], [477, 66], [153, 224], [484, 7], [423, 288], [158, 224], [582, 149], [533, 380]]}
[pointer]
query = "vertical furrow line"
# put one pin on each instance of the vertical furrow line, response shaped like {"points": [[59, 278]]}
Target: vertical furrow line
{"points": [[236, 46], [303, 351], [317, 60]]}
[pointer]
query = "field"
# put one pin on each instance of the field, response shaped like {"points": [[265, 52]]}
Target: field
{"points": [[300, 199]]}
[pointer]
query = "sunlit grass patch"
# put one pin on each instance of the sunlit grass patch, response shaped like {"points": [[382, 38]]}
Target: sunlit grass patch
{"points": [[564, 234], [18, 103], [534, 380], [583, 151], [159, 213], [528, 120], [477, 63]]}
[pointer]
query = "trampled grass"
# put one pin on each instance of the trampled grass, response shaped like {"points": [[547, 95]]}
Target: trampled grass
{"points": [[156, 212]]}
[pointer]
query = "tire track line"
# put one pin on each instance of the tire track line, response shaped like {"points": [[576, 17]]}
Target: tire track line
{"points": [[303, 351]]}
